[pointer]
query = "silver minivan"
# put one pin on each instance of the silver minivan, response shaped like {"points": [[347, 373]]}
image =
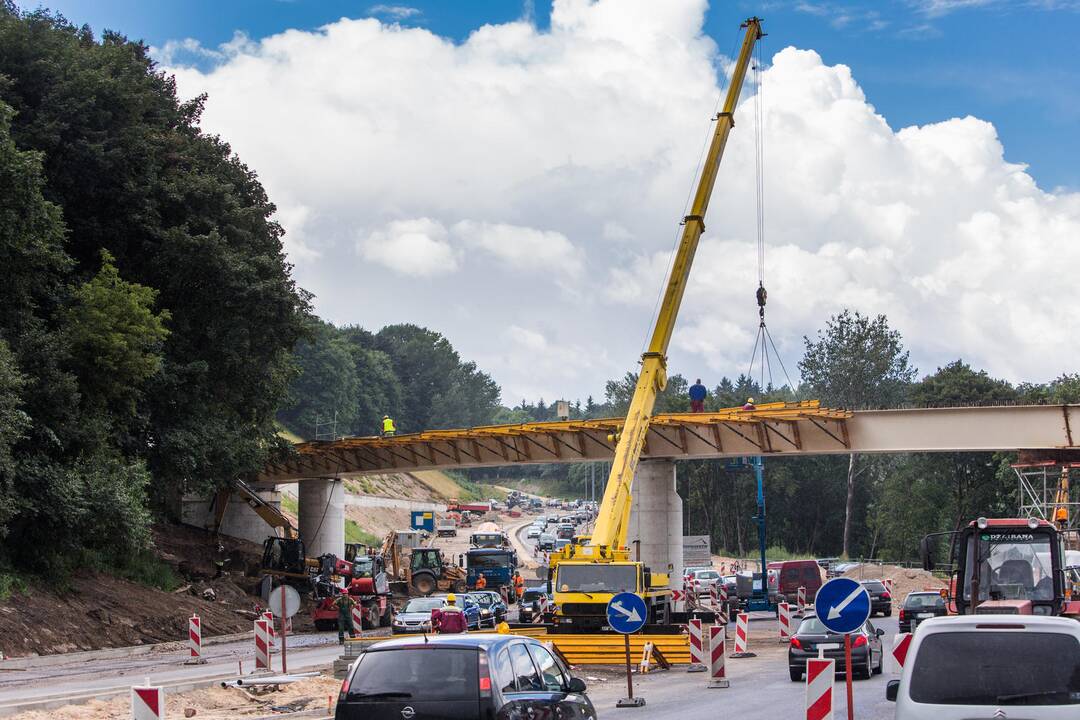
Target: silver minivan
{"points": [[968, 667]]}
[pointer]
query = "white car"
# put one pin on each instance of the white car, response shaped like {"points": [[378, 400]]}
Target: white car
{"points": [[990, 666], [704, 579], [532, 532]]}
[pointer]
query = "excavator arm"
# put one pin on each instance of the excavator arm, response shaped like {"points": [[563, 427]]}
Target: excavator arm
{"points": [[610, 532], [273, 517]]}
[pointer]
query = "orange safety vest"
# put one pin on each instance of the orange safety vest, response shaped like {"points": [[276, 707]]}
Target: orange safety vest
{"points": [[481, 582]]}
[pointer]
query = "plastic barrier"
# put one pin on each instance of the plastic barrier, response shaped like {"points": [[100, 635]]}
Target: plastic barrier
{"points": [[900, 645], [714, 597], [195, 641], [358, 620], [820, 675], [262, 645], [801, 600], [147, 703], [608, 648], [742, 636], [646, 658], [697, 649], [271, 634], [784, 618], [717, 651]]}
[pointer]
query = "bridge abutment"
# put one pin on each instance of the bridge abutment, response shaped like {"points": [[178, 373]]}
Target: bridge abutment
{"points": [[656, 519], [322, 516]]}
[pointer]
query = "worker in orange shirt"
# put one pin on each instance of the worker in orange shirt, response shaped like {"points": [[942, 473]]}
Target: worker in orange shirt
{"points": [[519, 586], [481, 582]]}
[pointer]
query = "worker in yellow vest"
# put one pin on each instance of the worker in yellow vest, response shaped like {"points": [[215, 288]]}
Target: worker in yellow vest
{"points": [[388, 428]]}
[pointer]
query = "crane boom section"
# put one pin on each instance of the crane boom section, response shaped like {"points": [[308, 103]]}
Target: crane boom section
{"points": [[613, 519]]}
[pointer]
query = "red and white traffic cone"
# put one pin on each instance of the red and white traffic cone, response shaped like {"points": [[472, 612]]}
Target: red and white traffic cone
{"points": [[784, 617], [697, 650], [801, 600], [262, 646], [820, 675], [742, 636], [195, 641], [147, 703], [717, 650]]}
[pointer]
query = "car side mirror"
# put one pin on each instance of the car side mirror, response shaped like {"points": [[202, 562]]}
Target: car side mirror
{"points": [[577, 685], [891, 690], [926, 554], [880, 632]]}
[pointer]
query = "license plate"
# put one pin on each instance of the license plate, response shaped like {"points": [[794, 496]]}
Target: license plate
{"points": [[925, 616], [828, 646]]}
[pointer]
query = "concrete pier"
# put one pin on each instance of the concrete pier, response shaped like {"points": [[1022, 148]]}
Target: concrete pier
{"points": [[656, 519], [240, 521], [322, 516]]}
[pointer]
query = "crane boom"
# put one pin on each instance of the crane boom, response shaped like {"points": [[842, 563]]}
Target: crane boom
{"points": [[612, 521]]}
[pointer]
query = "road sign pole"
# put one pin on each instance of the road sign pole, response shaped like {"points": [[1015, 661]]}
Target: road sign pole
{"points": [[848, 671], [629, 679], [284, 633]]}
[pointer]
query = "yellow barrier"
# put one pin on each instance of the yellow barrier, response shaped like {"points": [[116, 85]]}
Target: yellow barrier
{"points": [[608, 648]]}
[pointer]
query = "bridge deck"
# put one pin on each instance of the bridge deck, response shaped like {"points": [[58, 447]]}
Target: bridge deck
{"points": [[773, 429]]}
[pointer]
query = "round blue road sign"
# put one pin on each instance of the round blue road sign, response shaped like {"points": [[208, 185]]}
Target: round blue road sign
{"points": [[626, 613], [842, 605]]}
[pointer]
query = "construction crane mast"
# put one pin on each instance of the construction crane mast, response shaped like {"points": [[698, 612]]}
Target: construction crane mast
{"points": [[580, 592], [613, 519]]}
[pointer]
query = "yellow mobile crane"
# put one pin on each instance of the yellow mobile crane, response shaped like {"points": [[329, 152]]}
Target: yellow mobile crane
{"points": [[585, 577]]}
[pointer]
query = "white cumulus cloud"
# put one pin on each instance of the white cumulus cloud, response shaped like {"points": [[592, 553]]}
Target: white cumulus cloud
{"points": [[520, 191]]}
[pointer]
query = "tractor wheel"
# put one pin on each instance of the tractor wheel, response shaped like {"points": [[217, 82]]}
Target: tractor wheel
{"points": [[424, 584], [387, 616], [460, 587]]}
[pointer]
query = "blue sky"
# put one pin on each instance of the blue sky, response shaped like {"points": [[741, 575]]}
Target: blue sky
{"points": [[1012, 62]]}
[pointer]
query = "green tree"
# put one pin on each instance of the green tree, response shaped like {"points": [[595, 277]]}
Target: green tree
{"points": [[856, 362]]}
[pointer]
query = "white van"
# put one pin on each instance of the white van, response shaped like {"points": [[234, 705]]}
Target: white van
{"points": [[991, 666]]}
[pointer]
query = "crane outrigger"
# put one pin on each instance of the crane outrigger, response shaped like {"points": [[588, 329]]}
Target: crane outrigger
{"points": [[586, 576]]}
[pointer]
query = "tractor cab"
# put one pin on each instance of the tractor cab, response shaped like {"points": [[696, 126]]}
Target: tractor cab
{"points": [[426, 559], [1004, 566], [284, 557]]}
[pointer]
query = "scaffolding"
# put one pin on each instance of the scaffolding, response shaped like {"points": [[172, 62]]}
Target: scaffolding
{"points": [[1045, 492]]}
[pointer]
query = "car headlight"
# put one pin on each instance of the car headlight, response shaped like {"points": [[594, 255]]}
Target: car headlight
{"points": [[485, 612]]}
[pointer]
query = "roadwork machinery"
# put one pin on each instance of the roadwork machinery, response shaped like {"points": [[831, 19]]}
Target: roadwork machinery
{"points": [[423, 572], [584, 578]]}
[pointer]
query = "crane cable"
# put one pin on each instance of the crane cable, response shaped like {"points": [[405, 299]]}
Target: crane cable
{"points": [[763, 339]]}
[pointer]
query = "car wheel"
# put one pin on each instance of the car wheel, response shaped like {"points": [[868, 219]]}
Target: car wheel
{"points": [[869, 671], [888, 613], [880, 664], [796, 674]]}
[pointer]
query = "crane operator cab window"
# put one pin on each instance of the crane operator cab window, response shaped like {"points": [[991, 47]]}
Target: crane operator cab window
{"points": [[1013, 566], [596, 578]]}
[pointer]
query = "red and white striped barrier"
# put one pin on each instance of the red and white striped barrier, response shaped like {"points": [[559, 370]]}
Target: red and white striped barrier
{"points": [[784, 617], [820, 675], [888, 584], [900, 645], [678, 600], [742, 636], [723, 618], [717, 648], [714, 598], [358, 620], [801, 597], [697, 650], [271, 634], [147, 703], [262, 645], [195, 641]]}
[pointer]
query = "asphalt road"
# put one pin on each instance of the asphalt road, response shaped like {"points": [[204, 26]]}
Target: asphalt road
{"points": [[760, 689]]}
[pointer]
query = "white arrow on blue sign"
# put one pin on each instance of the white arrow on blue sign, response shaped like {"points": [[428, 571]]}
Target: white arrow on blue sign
{"points": [[842, 605], [626, 613]]}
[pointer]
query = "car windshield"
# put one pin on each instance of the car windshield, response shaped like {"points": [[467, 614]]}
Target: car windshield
{"points": [[706, 574], [419, 605], [407, 673], [1013, 566], [482, 599], [813, 626], [362, 567], [490, 561], [997, 668], [927, 601], [596, 578], [531, 595], [874, 585]]}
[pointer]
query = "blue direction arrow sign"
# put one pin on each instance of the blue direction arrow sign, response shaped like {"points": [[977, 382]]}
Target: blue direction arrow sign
{"points": [[626, 613], [842, 605]]}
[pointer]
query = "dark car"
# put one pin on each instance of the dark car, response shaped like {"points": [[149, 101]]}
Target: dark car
{"points": [[880, 598], [919, 606], [866, 650], [532, 605], [492, 608], [462, 677]]}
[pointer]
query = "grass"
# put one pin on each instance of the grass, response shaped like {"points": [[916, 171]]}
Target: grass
{"points": [[356, 534], [11, 583], [148, 569], [289, 505]]}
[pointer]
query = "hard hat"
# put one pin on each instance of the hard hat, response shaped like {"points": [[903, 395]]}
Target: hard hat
{"points": [[385, 417], [451, 598], [750, 400], [502, 628]]}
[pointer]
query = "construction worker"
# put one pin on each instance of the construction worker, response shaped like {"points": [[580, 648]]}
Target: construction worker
{"points": [[345, 604], [519, 586], [698, 393], [481, 582], [388, 429], [749, 404], [449, 619]]}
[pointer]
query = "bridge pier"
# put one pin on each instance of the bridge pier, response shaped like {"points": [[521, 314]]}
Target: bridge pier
{"points": [[656, 519], [322, 516]]}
